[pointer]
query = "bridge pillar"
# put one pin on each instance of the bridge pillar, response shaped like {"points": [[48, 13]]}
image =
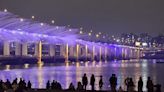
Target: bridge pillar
{"points": [[66, 52], [77, 51], [24, 49], [93, 53], [86, 51], [6, 48], [17, 49], [52, 50], [100, 53], [115, 52]]}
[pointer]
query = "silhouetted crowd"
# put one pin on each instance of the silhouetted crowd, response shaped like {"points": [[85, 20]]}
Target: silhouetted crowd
{"points": [[21, 86], [15, 86]]}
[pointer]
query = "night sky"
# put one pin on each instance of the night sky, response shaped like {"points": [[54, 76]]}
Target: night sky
{"points": [[108, 16]]}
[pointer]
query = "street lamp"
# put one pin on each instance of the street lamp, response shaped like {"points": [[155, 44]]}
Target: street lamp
{"points": [[41, 24], [32, 17], [89, 34], [52, 21], [81, 32], [21, 19], [5, 10], [97, 35]]}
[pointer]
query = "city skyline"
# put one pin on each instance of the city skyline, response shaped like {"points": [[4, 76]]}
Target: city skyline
{"points": [[113, 17]]}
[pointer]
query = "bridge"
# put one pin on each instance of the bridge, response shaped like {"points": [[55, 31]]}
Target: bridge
{"points": [[20, 37]]}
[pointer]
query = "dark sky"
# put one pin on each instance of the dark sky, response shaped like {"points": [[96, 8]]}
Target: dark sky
{"points": [[107, 16]]}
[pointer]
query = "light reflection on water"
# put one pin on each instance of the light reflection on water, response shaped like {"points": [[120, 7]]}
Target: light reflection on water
{"points": [[68, 73]]}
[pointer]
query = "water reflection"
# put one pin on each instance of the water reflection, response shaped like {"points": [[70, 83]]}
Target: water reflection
{"points": [[72, 72]]}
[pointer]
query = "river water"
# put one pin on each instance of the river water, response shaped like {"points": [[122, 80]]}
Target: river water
{"points": [[73, 72]]}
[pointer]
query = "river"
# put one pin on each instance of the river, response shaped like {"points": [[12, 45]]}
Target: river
{"points": [[73, 72]]}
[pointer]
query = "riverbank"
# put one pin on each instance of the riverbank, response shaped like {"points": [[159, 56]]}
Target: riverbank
{"points": [[45, 90]]}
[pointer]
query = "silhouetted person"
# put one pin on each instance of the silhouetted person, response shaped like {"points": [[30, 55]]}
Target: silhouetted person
{"points": [[29, 85], [101, 83], [131, 85], [71, 87], [85, 81], [150, 85], [8, 84], [113, 82], [24, 84], [58, 86], [15, 81], [126, 83], [140, 85], [79, 86], [92, 82], [1, 86], [21, 86], [54, 85], [48, 85]]}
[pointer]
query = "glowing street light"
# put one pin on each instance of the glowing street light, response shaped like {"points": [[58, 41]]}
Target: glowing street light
{"points": [[21, 19], [52, 21], [100, 33], [89, 34], [70, 30], [5, 10], [97, 35], [32, 17], [41, 24], [81, 32]]}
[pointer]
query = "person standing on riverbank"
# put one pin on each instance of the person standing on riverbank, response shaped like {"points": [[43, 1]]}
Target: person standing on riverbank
{"points": [[101, 83], [113, 82], [140, 85], [92, 82], [150, 85], [85, 81]]}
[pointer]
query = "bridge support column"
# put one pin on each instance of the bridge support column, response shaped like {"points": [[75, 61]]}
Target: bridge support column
{"points": [[6, 48], [66, 54], [115, 52], [52, 50], [17, 49], [77, 52], [24, 49], [93, 53], [100, 53], [86, 51]]}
